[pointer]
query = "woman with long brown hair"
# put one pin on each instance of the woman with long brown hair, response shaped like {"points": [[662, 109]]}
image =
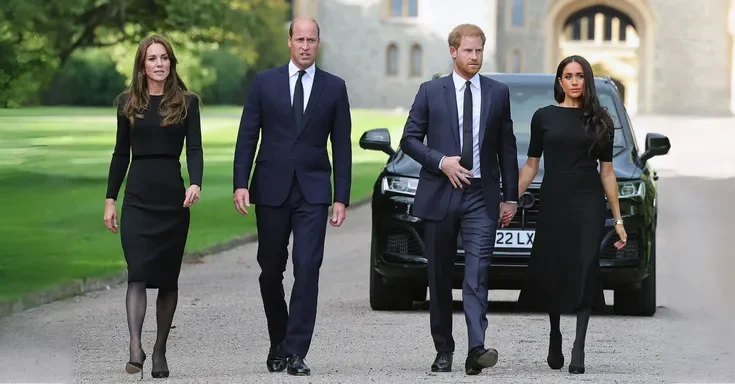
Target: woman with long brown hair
{"points": [[575, 137], [155, 115]]}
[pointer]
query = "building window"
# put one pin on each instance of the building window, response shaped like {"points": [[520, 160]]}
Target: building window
{"points": [[392, 60], [516, 12], [404, 8], [416, 60], [515, 61]]}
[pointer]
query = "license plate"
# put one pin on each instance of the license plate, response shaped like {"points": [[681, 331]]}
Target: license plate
{"points": [[508, 238]]}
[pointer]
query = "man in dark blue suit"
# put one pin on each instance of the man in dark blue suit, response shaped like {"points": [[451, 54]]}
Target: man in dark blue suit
{"points": [[466, 121], [294, 108]]}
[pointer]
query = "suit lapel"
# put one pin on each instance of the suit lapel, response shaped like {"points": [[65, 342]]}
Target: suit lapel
{"points": [[450, 96], [485, 103], [316, 91], [284, 89]]}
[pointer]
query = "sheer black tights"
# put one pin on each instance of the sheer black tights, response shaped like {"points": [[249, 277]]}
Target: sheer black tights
{"points": [[555, 358], [136, 302]]}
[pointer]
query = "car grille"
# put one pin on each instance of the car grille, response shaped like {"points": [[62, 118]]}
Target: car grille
{"points": [[631, 251], [526, 218], [402, 239]]}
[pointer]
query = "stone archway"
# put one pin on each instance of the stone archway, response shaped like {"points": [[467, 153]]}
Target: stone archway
{"points": [[601, 70], [639, 90]]}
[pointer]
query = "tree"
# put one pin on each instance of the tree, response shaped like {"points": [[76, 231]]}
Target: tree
{"points": [[47, 32]]}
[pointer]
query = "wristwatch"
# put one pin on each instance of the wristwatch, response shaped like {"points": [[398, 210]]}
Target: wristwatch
{"points": [[618, 222]]}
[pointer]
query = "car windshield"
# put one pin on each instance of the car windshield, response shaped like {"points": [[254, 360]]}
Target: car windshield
{"points": [[526, 99]]}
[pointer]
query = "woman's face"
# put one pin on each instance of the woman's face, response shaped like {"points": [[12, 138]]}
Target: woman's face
{"points": [[572, 80], [157, 65]]}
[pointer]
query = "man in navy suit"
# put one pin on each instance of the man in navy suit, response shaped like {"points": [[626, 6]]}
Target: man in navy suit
{"points": [[466, 121], [294, 107]]}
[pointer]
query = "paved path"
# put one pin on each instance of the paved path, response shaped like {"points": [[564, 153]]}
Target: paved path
{"points": [[220, 326]]}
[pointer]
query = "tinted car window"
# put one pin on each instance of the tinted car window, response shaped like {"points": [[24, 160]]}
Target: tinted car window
{"points": [[525, 100]]}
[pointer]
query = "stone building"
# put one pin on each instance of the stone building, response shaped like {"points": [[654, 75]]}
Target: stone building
{"points": [[669, 56]]}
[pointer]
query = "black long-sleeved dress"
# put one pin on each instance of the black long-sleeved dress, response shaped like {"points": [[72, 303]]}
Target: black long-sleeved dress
{"points": [[564, 268], [154, 223]]}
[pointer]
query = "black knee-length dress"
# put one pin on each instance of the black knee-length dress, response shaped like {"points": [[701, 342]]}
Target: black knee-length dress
{"points": [[564, 268], [154, 223]]}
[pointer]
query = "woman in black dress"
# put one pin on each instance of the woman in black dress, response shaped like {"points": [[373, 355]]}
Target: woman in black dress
{"points": [[155, 115], [563, 272]]}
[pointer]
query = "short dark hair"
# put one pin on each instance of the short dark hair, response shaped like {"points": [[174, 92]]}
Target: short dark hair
{"points": [[290, 27]]}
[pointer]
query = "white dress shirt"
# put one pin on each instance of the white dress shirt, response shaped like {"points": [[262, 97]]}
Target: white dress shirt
{"points": [[459, 86], [307, 80]]}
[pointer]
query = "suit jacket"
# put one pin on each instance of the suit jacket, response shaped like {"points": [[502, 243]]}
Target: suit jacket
{"points": [[434, 115], [286, 149]]}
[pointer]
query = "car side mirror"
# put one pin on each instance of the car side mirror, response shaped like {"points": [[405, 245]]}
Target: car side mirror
{"points": [[377, 139], [656, 145]]}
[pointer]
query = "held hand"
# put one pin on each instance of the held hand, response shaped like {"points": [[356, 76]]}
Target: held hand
{"points": [[507, 211], [339, 214], [241, 200], [110, 216], [455, 172], [192, 195], [620, 229]]}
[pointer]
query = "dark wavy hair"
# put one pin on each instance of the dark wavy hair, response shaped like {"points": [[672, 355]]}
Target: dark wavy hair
{"points": [[134, 100], [597, 121]]}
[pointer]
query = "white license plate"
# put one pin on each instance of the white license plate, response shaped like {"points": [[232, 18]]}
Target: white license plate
{"points": [[509, 238]]}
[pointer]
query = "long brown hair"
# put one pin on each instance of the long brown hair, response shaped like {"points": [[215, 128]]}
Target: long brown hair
{"points": [[597, 121], [135, 99]]}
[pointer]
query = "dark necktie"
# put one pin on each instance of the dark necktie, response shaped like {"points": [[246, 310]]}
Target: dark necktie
{"points": [[298, 99], [466, 159]]}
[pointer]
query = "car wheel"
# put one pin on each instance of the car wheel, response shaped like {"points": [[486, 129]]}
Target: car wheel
{"points": [[385, 297], [640, 302]]}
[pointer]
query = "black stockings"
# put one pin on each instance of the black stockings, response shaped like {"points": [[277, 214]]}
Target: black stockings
{"points": [[583, 319], [136, 302], [555, 358], [165, 309]]}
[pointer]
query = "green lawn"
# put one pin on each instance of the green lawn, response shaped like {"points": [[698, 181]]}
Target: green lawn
{"points": [[53, 178]]}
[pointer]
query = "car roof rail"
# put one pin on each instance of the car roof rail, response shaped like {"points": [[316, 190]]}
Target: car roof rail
{"points": [[436, 75]]}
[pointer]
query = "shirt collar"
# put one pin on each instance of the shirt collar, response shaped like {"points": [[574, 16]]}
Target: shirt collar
{"points": [[459, 81], [293, 70]]}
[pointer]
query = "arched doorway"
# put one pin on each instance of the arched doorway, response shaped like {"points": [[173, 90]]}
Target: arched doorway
{"points": [[616, 36]]}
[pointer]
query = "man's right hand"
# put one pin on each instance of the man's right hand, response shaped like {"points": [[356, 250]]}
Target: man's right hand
{"points": [[241, 199], [455, 172]]}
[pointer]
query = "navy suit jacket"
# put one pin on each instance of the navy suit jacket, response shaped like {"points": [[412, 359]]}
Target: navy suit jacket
{"points": [[434, 115], [286, 149]]}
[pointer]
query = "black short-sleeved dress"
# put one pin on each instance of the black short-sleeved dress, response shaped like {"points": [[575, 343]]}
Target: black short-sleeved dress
{"points": [[564, 268], [154, 223]]}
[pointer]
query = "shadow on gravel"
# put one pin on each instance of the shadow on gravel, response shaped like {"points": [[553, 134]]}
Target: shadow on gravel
{"points": [[694, 252]]}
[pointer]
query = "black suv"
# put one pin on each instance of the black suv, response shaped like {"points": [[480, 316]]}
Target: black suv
{"points": [[397, 263]]}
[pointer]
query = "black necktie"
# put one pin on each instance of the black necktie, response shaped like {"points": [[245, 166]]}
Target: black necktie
{"points": [[466, 159], [298, 99]]}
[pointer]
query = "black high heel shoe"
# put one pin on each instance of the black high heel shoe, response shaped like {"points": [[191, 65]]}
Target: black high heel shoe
{"points": [[159, 374], [576, 366], [555, 358], [132, 367]]}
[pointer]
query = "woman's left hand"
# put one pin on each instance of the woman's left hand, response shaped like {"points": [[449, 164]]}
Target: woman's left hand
{"points": [[620, 229], [192, 195]]}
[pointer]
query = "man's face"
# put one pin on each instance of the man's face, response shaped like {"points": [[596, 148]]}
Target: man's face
{"points": [[304, 43], [468, 56]]}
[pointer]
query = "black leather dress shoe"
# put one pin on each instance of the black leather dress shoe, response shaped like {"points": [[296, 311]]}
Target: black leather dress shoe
{"points": [[276, 361], [480, 358], [297, 367], [442, 363]]}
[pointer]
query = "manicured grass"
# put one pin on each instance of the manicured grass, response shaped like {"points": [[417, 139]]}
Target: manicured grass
{"points": [[53, 178]]}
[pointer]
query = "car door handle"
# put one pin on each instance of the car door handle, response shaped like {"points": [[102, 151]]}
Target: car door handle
{"points": [[655, 175]]}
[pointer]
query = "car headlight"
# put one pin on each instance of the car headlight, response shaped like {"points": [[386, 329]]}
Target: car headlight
{"points": [[402, 185], [631, 189]]}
